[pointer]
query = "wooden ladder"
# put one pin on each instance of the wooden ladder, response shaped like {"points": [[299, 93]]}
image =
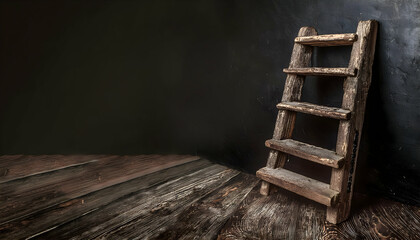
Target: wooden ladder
{"points": [[336, 195]]}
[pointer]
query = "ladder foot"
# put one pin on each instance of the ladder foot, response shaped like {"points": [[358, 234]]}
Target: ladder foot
{"points": [[338, 213], [265, 188]]}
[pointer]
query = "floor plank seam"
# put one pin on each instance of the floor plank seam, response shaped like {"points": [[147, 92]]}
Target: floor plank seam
{"points": [[155, 185], [46, 209], [49, 171]]}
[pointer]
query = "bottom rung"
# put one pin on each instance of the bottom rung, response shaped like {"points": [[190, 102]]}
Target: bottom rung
{"points": [[304, 186]]}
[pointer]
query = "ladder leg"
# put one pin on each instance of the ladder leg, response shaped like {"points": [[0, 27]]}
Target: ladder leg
{"points": [[349, 132], [342, 179], [276, 159], [301, 57]]}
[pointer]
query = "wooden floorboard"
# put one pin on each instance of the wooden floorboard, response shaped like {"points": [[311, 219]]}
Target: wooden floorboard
{"points": [[11, 166], [150, 209], [284, 215], [204, 218], [173, 197], [60, 214], [27, 195], [281, 215]]}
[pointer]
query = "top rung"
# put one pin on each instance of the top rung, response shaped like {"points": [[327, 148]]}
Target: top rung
{"points": [[328, 40]]}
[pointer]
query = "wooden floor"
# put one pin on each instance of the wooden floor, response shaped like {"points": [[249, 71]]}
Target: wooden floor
{"points": [[171, 197]]}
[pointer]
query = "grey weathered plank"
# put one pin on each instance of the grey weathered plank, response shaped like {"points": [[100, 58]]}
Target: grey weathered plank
{"points": [[328, 40], [301, 57], [306, 151], [26, 196], [201, 220], [62, 213], [322, 111], [349, 132], [299, 184], [156, 206], [318, 71]]}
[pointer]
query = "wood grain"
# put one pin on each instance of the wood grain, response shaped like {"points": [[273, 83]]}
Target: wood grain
{"points": [[59, 214], [306, 151], [282, 215], [349, 132], [318, 71], [150, 209], [201, 200], [299, 184], [25, 196], [301, 57], [328, 40], [12, 169], [201, 220], [322, 111]]}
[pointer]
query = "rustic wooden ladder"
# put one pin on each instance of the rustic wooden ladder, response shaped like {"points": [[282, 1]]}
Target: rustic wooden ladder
{"points": [[336, 195]]}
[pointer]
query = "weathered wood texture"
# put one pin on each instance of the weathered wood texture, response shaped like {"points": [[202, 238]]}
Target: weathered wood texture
{"points": [[284, 215], [306, 151], [148, 211], [309, 108], [11, 166], [301, 57], [349, 132], [328, 40], [299, 184], [202, 219], [199, 200], [318, 71], [356, 85], [20, 198], [59, 214]]}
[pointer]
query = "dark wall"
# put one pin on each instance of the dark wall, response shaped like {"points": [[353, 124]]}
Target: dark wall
{"points": [[201, 77]]}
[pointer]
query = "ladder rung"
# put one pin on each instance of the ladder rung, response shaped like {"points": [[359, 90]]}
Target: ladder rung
{"points": [[338, 72], [322, 111], [304, 186], [328, 40], [309, 152]]}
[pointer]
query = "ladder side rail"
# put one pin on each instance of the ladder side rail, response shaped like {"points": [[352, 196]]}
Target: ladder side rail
{"points": [[349, 133], [301, 57]]}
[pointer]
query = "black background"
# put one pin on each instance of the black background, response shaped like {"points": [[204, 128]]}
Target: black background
{"points": [[202, 77]]}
